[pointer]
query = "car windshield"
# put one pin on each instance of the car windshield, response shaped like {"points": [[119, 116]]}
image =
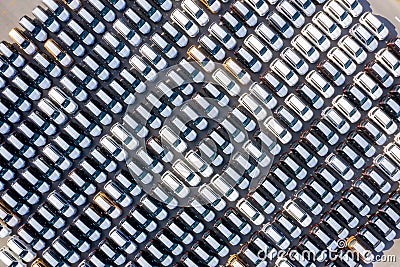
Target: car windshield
{"points": [[274, 39], [306, 3], [380, 28], [322, 39], [300, 63], [188, 25], [370, 40], [336, 75], [226, 38], [205, 61], [296, 15], [289, 75], [395, 66], [259, 4], [237, 26], [210, 2], [263, 50], [215, 49], [311, 51], [241, 74], [252, 61], [347, 63], [284, 27], [248, 15], [358, 52], [333, 27], [354, 4], [344, 16]]}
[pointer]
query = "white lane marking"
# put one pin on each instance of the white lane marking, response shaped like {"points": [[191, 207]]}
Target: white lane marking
{"points": [[397, 18]]}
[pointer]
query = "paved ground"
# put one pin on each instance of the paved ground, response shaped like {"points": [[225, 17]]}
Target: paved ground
{"points": [[11, 10]]}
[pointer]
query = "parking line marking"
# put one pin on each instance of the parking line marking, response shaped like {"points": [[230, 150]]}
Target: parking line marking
{"points": [[397, 18]]}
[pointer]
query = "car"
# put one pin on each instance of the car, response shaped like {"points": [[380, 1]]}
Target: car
{"points": [[238, 221], [195, 12], [287, 223], [381, 228], [236, 71], [258, 48], [18, 37], [371, 240], [233, 24], [175, 185], [379, 73], [358, 97], [244, 206], [263, 95], [274, 84], [353, 7], [111, 251], [290, 13], [311, 246], [389, 61], [294, 60], [307, 50], [376, 179], [198, 56], [9, 258], [365, 82], [140, 23], [167, 48], [344, 106], [284, 72], [307, 7], [280, 25], [213, 5], [352, 48], [307, 201], [340, 59], [276, 236], [283, 176], [331, 72], [85, 36], [338, 13], [309, 96], [106, 13], [21, 249], [107, 205], [366, 191], [391, 151], [380, 117], [248, 59], [374, 25], [12, 54], [291, 120], [63, 249], [298, 106], [332, 223], [340, 166], [363, 145], [301, 152], [278, 130], [58, 53], [297, 213], [327, 25], [75, 47], [165, 5], [37, 31], [259, 6], [317, 81], [211, 47], [364, 37], [129, 34], [225, 38], [253, 106], [150, 11], [393, 44], [316, 37], [269, 36], [373, 132], [391, 107], [199, 121], [350, 155], [46, 19], [184, 23], [59, 203], [244, 13], [319, 189], [176, 36], [122, 241]]}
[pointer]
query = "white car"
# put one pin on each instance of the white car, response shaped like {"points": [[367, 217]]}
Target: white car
{"points": [[297, 213], [257, 47], [195, 12], [184, 23], [175, 185], [342, 60], [361, 34], [129, 34], [278, 130], [269, 36], [374, 25], [259, 6], [338, 13], [352, 48], [345, 107], [353, 6], [199, 164], [55, 50], [59, 97], [148, 72], [173, 139], [211, 47], [225, 38], [327, 25], [316, 80], [253, 106], [298, 106], [250, 211], [21, 249], [294, 60], [291, 13], [336, 120], [157, 60], [143, 26], [378, 116], [124, 136], [284, 72], [307, 50], [389, 61], [19, 38], [368, 85], [316, 37]]}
